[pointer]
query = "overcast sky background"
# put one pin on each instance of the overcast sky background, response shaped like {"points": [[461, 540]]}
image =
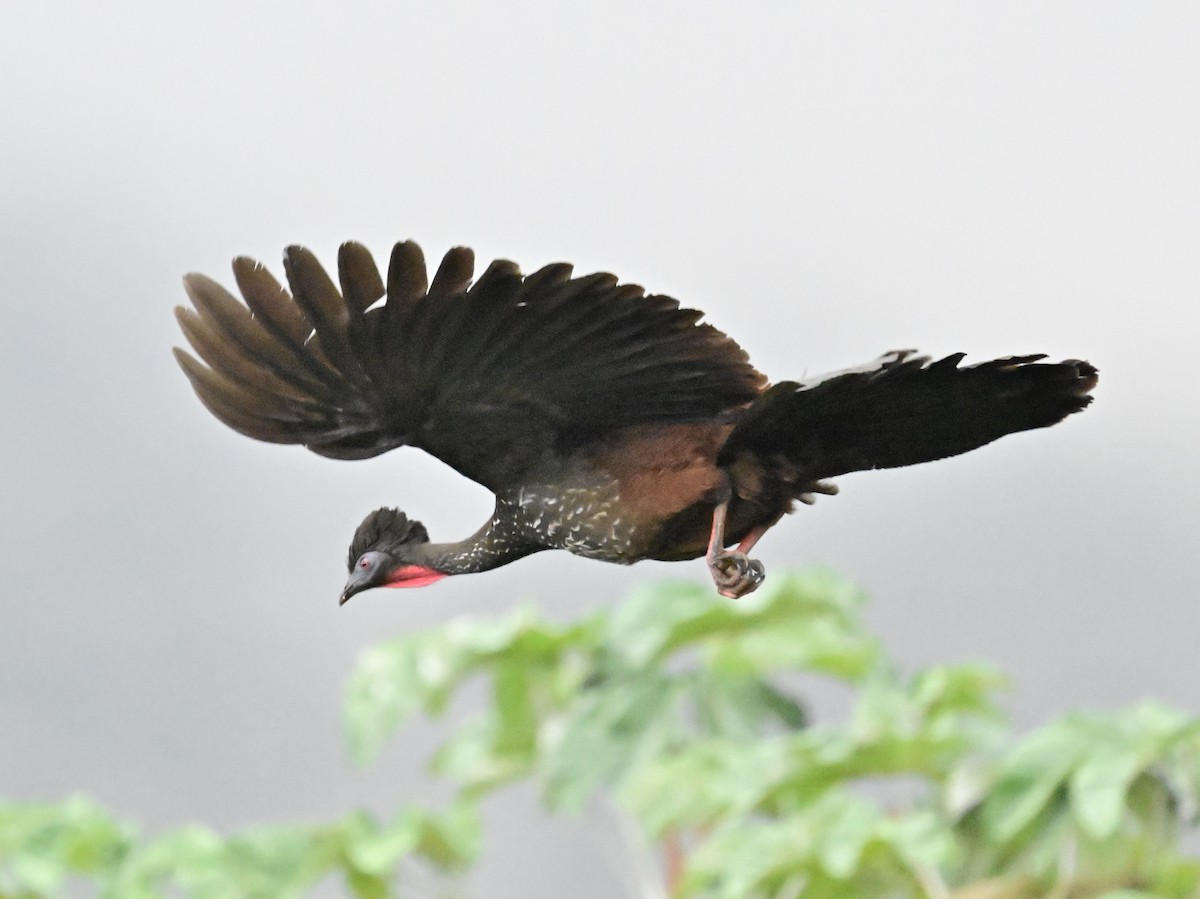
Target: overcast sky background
{"points": [[828, 181]]}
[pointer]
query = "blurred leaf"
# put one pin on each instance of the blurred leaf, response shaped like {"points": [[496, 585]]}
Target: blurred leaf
{"points": [[822, 645], [516, 718], [1099, 786], [43, 844], [959, 689], [395, 679], [840, 845], [373, 850], [452, 839], [1029, 778], [1013, 887], [386, 688], [169, 856], [1176, 877], [608, 729], [844, 834], [921, 839], [368, 886], [791, 622], [741, 706], [473, 758], [39, 874], [703, 783], [652, 618]]}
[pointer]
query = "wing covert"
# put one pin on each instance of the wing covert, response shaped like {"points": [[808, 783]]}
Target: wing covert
{"points": [[489, 377]]}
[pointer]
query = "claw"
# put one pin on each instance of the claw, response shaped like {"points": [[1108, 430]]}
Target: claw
{"points": [[735, 574]]}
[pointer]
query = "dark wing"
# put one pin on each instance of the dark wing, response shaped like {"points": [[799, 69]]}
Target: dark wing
{"points": [[490, 378], [908, 410]]}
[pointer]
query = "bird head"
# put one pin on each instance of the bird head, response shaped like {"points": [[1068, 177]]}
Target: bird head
{"points": [[388, 551]]}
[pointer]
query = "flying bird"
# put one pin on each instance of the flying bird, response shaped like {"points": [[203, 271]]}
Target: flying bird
{"points": [[607, 422]]}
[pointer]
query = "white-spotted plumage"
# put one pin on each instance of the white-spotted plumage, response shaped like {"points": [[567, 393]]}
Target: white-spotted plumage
{"points": [[581, 519]]}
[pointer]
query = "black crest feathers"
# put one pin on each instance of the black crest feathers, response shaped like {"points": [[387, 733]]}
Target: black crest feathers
{"points": [[385, 530]]}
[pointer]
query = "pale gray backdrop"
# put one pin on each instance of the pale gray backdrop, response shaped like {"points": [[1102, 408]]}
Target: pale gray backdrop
{"points": [[827, 180]]}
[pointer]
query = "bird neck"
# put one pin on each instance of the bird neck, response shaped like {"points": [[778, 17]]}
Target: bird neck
{"points": [[497, 543]]}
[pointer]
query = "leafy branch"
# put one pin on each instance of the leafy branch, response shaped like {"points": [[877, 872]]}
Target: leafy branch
{"points": [[683, 708], [41, 846]]}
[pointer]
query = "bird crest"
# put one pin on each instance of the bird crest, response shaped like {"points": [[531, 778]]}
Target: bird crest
{"points": [[385, 530]]}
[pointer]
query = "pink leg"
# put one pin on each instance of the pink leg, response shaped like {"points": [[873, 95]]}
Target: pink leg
{"points": [[716, 541], [750, 539]]}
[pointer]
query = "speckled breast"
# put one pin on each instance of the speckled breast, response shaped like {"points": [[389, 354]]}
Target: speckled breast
{"points": [[585, 520]]}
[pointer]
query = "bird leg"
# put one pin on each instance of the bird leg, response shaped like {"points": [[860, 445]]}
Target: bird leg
{"points": [[734, 573]]}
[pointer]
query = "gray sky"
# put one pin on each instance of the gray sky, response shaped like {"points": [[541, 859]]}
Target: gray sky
{"points": [[828, 181]]}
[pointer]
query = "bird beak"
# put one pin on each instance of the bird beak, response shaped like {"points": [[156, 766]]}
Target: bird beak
{"points": [[358, 582]]}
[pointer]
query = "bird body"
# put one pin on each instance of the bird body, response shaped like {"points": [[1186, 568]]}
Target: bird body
{"points": [[606, 422], [647, 493]]}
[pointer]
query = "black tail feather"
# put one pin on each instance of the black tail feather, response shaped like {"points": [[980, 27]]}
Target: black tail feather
{"points": [[908, 411]]}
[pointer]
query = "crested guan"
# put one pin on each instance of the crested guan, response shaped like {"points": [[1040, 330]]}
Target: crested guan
{"points": [[608, 423]]}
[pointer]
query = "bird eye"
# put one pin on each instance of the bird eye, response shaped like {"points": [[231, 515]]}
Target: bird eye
{"points": [[364, 563]]}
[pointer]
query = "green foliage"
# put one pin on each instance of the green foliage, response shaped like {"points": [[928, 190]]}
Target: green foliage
{"points": [[42, 846], [683, 707]]}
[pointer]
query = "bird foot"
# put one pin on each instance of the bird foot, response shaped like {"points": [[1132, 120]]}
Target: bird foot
{"points": [[735, 573]]}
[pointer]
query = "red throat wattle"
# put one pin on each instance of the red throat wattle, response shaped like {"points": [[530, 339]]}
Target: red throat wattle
{"points": [[413, 576]]}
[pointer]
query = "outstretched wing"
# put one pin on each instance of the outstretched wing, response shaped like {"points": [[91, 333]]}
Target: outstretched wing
{"points": [[491, 378], [906, 410]]}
